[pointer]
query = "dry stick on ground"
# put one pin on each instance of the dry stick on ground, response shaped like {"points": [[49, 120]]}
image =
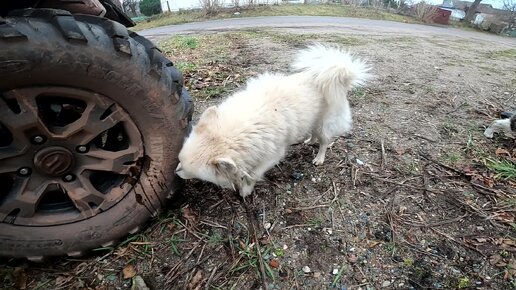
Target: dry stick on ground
{"points": [[425, 180], [383, 161], [252, 228], [400, 183], [425, 138], [310, 207], [295, 226], [210, 278], [201, 262], [230, 229], [415, 248], [431, 225], [391, 215], [171, 274], [492, 193], [458, 242]]}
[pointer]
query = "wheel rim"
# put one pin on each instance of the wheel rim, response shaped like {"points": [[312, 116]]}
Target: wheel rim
{"points": [[65, 155]]}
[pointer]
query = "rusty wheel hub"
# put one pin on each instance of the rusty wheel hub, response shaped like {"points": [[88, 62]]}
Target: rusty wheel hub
{"points": [[53, 161], [65, 155]]}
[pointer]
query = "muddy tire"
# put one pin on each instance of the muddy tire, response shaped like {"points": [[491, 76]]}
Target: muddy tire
{"points": [[92, 117]]}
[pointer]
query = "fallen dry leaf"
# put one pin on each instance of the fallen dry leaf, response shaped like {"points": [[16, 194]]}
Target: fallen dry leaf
{"points": [[352, 258], [274, 263], [129, 271], [21, 278], [372, 244], [481, 240], [196, 279], [502, 151], [189, 215]]}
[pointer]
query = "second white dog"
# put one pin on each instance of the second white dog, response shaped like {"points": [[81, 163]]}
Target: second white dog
{"points": [[235, 143]]}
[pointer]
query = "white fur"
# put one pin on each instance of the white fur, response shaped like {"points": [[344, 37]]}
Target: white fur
{"points": [[502, 126], [234, 144]]}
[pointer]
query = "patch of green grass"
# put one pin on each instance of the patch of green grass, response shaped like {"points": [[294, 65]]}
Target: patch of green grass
{"points": [[171, 18], [408, 262], [173, 243], [391, 248], [448, 129], [453, 157], [463, 283], [186, 67], [315, 222], [212, 92], [508, 53], [181, 41], [249, 259], [408, 167], [336, 280], [299, 39], [359, 92], [215, 239], [503, 168]]}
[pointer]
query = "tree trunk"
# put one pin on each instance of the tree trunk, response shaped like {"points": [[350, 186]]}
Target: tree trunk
{"points": [[470, 15]]}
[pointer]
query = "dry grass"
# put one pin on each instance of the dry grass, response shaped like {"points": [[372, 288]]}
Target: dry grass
{"points": [[281, 10]]}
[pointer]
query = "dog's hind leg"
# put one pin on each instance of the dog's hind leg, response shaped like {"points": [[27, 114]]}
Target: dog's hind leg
{"points": [[323, 146]]}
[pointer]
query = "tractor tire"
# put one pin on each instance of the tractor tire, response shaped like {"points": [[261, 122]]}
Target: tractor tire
{"points": [[92, 118]]}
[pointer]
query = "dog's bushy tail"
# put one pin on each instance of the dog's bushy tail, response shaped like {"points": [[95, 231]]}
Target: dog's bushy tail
{"points": [[333, 70]]}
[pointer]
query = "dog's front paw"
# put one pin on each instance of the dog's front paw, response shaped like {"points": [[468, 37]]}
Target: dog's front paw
{"points": [[318, 161]]}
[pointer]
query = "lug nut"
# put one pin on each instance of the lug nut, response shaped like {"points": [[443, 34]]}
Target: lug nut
{"points": [[38, 139], [69, 177], [82, 149], [24, 171]]}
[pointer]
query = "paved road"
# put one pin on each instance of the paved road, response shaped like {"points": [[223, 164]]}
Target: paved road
{"points": [[324, 24]]}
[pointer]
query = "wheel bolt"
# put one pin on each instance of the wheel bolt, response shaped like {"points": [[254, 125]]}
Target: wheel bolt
{"points": [[69, 177], [38, 139], [24, 171], [82, 149]]}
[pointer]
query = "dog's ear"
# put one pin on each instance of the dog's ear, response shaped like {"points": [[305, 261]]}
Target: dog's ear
{"points": [[210, 114], [207, 117], [225, 165]]}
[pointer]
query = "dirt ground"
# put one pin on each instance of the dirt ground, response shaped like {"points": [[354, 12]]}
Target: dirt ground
{"points": [[414, 198]]}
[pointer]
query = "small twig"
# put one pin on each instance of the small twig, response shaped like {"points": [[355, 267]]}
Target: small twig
{"points": [[390, 215], [310, 207], [399, 183], [486, 190], [427, 157], [458, 242], [421, 251], [295, 226], [200, 255], [252, 228], [212, 224], [383, 161], [210, 278], [358, 285], [425, 181], [425, 138], [449, 221]]}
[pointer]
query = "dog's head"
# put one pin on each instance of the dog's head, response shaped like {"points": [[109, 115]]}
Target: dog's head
{"points": [[206, 155]]}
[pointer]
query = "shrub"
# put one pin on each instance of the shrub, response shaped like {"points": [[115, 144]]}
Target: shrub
{"points": [[150, 7], [425, 12]]}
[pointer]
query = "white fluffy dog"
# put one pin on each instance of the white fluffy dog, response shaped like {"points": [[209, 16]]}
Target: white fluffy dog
{"points": [[235, 143]]}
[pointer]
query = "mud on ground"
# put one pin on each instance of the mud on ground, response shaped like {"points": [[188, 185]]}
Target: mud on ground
{"points": [[414, 198]]}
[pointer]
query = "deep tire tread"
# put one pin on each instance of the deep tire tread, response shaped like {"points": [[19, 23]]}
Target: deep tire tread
{"points": [[125, 43]]}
